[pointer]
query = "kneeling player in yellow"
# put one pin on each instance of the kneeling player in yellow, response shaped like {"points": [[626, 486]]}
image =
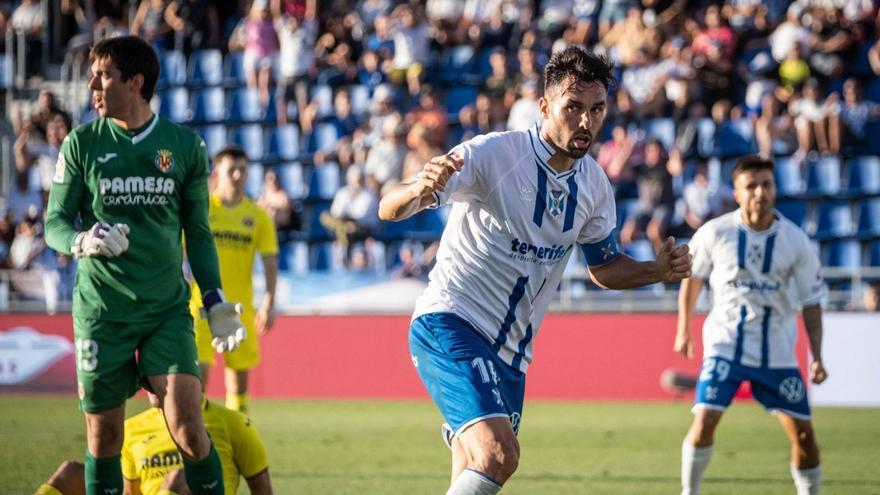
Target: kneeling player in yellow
{"points": [[241, 229], [151, 462]]}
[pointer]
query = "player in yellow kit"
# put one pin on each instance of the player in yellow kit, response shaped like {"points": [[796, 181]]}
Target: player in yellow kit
{"points": [[241, 229], [151, 462]]}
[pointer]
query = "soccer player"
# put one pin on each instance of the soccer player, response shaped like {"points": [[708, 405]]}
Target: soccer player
{"points": [[151, 461], [521, 201], [241, 229], [134, 180], [760, 267]]}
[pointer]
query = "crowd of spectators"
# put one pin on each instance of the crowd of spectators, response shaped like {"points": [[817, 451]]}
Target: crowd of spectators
{"points": [[797, 79]]}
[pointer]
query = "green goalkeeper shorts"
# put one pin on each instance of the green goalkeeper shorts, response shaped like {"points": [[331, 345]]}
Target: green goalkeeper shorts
{"points": [[114, 359]]}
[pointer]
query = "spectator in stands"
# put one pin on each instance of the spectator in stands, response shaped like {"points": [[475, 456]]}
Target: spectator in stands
{"points": [[430, 112], [369, 73], [525, 111], [612, 13], [713, 46], [42, 155], [408, 266], [256, 36], [810, 120], [832, 42], [277, 203], [702, 201], [656, 197], [614, 157], [528, 67], [500, 86], [774, 128], [848, 119], [489, 118], [629, 39], [149, 23], [45, 108], [871, 297], [28, 243], [25, 200], [196, 24], [380, 41], [296, 40], [874, 57], [370, 10], [353, 215], [27, 19], [385, 159], [644, 81], [794, 71], [411, 43], [467, 124], [421, 148], [790, 32], [383, 108]]}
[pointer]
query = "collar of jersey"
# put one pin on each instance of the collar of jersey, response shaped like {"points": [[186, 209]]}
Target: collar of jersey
{"points": [[772, 228], [544, 151], [137, 138]]}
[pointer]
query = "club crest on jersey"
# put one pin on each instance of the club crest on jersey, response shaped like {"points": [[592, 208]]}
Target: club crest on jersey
{"points": [[555, 202], [164, 162]]}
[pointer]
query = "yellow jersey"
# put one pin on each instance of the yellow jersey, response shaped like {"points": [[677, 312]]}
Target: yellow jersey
{"points": [[240, 232], [149, 454]]}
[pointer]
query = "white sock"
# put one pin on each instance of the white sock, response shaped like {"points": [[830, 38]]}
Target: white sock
{"points": [[807, 480], [694, 461], [471, 482]]}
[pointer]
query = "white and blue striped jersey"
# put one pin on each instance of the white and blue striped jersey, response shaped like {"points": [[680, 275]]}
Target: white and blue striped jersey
{"points": [[759, 281], [513, 225]]}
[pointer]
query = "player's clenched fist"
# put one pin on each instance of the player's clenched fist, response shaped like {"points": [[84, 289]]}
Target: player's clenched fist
{"points": [[437, 172], [103, 239], [674, 262]]}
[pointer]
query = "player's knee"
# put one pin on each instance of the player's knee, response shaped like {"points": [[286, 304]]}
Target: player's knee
{"points": [[499, 459], [68, 477], [192, 440], [806, 438]]}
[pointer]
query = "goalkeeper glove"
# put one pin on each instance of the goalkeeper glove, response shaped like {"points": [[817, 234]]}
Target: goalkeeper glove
{"points": [[223, 320], [103, 239]]}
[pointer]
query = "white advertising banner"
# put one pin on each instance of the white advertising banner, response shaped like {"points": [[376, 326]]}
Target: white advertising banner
{"points": [[851, 351]]}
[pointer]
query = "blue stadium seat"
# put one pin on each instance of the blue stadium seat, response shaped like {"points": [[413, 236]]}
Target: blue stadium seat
{"points": [[254, 185], [323, 137], [662, 129], [734, 138], [429, 224], [795, 210], [283, 142], [244, 105], [845, 253], [298, 257], [214, 136], [172, 68], [872, 90], [869, 218], [321, 256], [233, 69], [323, 96], [292, 177], [314, 230], [458, 97], [205, 68], [863, 176], [874, 254], [270, 113], [397, 231], [789, 180], [7, 71], [706, 137], [174, 104], [209, 106], [324, 181], [625, 210], [360, 99], [834, 220], [823, 177], [641, 250], [456, 64], [250, 138]]}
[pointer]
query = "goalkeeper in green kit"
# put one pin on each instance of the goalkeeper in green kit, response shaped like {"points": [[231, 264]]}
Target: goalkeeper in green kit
{"points": [[125, 186]]}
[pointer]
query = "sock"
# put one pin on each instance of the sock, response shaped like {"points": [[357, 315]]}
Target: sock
{"points": [[471, 482], [694, 461], [807, 480], [47, 489], [237, 402], [103, 475], [204, 477]]}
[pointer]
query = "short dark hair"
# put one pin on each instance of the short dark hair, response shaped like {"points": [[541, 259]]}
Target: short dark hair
{"points": [[752, 163], [131, 55], [232, 151], [574, 64]]}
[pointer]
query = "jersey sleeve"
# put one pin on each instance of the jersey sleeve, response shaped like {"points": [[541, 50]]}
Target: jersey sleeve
{"points": [[200, 249], [267, 239], [68, 184], [466, 184], [596, 238], [248, 450], [807, 276], [700, 247]]}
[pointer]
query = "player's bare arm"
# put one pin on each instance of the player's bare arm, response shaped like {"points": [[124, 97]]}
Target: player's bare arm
{"points": [[687, 301], [672, 264], [265, 317], [260, 484], [416, 194], [813, 324]]}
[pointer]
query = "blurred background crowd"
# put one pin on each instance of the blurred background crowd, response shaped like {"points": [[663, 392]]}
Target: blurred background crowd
{"points": [[334, 101]]}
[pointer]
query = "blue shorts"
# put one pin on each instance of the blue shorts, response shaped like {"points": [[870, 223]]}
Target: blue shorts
{"points": [[776, 389], [463, 374]]}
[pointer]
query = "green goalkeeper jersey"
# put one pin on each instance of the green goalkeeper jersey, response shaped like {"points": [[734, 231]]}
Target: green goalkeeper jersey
{"points": [[155, 180]]}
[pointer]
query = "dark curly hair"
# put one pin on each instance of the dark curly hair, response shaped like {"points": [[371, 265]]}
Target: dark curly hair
{"points": [[576, 65]]}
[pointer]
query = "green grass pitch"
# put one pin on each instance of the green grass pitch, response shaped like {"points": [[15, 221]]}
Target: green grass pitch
{"points": [[394, 447]]}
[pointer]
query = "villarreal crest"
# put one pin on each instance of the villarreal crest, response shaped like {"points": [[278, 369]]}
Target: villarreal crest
{"points": [[163, 161]]}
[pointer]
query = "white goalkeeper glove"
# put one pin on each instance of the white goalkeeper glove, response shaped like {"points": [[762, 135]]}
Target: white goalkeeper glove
{"points": [[103, 239], [224, 320]]}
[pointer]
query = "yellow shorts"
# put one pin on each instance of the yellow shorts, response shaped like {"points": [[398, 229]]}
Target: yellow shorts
{"points": [[247, 355]]}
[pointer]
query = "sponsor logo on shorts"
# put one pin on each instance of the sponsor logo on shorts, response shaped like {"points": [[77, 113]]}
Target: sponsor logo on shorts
{"points": [[792, 389], [514, 421]]}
